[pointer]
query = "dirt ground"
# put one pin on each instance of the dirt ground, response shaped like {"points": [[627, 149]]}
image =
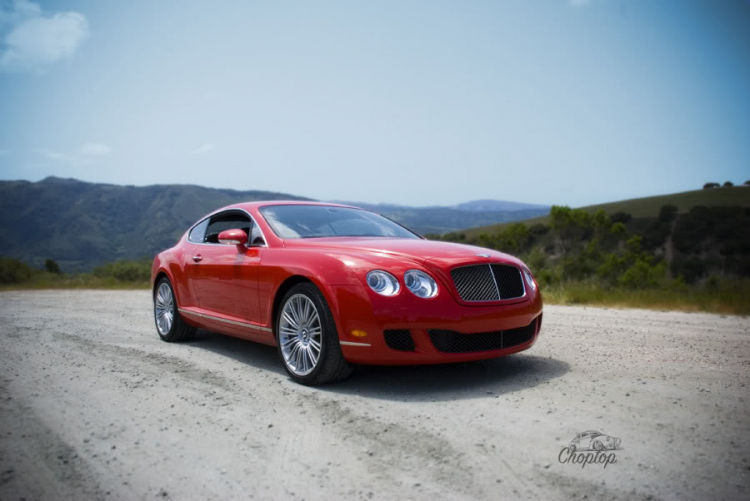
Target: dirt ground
{"points": [[94, 406]]}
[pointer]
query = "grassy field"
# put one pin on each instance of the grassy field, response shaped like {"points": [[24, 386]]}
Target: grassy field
{"points": [[74, 281], [649, 206], [731, 297]]}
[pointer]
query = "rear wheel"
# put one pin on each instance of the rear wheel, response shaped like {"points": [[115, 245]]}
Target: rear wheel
{"points": [[169, 324], [307, 339]]}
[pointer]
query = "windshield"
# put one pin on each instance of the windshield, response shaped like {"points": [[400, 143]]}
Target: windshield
{"points": [[311, 221]]}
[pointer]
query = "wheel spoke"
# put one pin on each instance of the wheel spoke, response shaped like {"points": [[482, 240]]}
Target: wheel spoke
{"points": [[290, 320], [315, 345], [313, 355]]}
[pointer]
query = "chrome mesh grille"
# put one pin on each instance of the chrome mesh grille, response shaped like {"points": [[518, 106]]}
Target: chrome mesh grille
{"points": [[475, 283], [448, 341], [484, 282], [509, 281]]}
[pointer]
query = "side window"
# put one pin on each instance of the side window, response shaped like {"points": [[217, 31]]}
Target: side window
{"points": [[227, 221], [198, 233]]}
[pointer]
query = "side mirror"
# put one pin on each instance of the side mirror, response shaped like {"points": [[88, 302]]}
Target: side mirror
{"points": [[233, 237]]}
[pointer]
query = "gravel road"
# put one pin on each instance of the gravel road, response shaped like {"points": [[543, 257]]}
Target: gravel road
{"points": [[94, 406]]}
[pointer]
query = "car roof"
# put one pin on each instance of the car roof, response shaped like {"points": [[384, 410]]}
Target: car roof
{"points": [[265, 203]]}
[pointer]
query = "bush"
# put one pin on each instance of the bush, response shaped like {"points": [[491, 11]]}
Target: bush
{"points": [[13, 271], [125, 271], [708, 186], [667, 213], [728, 184], [51, 266], [621, 217]]}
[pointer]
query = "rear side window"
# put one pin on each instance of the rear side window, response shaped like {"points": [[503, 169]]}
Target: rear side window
{"points": [[198, 233], [227, 221]]}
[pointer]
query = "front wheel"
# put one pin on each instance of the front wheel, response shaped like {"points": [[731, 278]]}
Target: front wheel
{"points": [[307, 339], [169, 324]]}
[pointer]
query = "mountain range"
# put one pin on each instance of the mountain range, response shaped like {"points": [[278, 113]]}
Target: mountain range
{"points": [[82, 225]]}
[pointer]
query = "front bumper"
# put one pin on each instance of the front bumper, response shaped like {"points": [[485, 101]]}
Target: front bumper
{"points": [[360, 310]]}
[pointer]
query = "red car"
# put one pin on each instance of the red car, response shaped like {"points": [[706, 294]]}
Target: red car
{"points": [[333, 285]]}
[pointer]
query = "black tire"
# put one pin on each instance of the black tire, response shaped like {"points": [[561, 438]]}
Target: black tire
{"points": [[331, 365], [180, 330]]}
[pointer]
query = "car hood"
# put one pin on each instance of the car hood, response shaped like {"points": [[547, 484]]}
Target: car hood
{"points": [[426, 252]]}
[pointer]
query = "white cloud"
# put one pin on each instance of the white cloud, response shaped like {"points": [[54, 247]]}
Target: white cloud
{"points": [[33, 40], [73, 160], [95, 149], [200, 150]]}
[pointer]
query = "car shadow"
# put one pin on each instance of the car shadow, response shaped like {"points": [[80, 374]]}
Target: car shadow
{"points": [[256, 355], [462, 380], [416, 383]]}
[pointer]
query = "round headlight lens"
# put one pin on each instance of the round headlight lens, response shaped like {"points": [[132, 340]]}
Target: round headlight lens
{"points": [[420, 284], [383, 283], [529, 279]]}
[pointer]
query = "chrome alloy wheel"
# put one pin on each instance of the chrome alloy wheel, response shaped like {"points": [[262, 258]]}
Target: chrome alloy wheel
{"points": [[300, 334], [164, 309]]}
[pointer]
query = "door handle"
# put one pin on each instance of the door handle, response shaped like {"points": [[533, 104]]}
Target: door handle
{"points": [[197, 258]]}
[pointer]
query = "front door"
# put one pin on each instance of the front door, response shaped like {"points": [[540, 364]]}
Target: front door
{"points": [[225, 277]]}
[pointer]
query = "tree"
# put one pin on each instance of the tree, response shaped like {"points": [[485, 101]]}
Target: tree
{"points": [[668, 213], [708, 186], [747, 183], [728, 184], [51, 266], [621, 217]]}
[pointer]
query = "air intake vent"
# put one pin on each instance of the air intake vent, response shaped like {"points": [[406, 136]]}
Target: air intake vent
{"points": [[400, 340], [455, 342]]}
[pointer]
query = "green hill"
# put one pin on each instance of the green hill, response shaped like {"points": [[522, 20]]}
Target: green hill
{"points": [[737, 196], [82, 225]]}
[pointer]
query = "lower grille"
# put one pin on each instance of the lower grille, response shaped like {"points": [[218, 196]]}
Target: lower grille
{"points": [[455, 342], [400, 340]]}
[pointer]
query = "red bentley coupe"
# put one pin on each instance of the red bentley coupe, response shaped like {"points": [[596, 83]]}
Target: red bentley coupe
{"points": [[332, 285]]}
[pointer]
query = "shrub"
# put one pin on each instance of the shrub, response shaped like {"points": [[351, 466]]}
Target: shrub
{"points": [[621, 217], [668, 213], [125, 271], [51, 266], [13, 271]]}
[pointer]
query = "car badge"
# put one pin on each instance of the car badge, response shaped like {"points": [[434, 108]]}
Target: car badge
{"points": [[482, 255]]}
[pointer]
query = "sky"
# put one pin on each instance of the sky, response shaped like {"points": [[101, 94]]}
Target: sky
{"points": [[407, 102]]}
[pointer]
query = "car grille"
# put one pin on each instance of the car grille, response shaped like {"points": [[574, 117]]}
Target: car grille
{"points": [[400, 340], [456, 342], [488, 282]]}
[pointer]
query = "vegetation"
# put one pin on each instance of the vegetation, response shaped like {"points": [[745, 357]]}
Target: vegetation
{"points": [[699, 260], [649, 207], [117, 275]]}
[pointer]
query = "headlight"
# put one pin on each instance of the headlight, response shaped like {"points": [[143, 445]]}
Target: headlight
{"points": [[420, 284], [529, 279], [383, 283]]}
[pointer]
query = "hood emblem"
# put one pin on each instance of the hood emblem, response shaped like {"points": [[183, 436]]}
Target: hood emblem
{"points": [[482, 255]]}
